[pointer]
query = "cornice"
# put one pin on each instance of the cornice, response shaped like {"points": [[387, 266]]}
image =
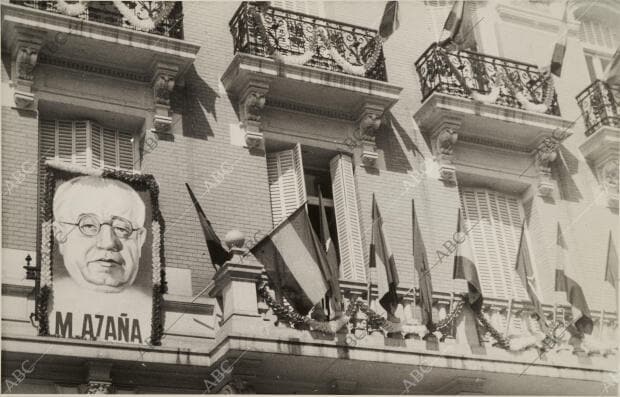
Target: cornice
{"points": [[534, 19], [93, 68], [297, 107]]}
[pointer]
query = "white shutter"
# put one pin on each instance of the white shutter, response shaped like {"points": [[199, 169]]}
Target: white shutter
{"points": [[347, 219], [80, 130], [64, 141], [314, 8], [96, 145], [110, 155], [125, 150], [287, 187], [495, 239]]}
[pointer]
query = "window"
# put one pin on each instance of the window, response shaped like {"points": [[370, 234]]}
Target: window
{"points": [[495, 240], [314, 8], [599, 41], [87, 143], [291, 184]]}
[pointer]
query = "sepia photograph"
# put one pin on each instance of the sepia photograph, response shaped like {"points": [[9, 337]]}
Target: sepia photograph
{"points": [[339, 197]]}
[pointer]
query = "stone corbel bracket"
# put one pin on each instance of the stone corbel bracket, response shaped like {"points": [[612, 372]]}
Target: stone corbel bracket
{"points": [[601, 150], [26, 45], [443, 141], [368, 123], [545, 154], [163, 82], [252, 100]]}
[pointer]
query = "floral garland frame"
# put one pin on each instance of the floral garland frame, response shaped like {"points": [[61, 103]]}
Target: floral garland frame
{"points": [[54, 171]]}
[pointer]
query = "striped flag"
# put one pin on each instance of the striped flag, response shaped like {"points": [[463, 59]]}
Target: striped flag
{"points": [[612, 72], [526, 273], [420, 261], [295, 261], [382, 259], [218, 253], [465, 267], [611, 269], [458, 29], [567, 283], [389, 21], [557, 59], [331, 257]]}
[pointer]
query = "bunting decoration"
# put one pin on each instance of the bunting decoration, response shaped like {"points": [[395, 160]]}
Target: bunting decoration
{"points": [[559, 50], [465, 267], [294, 259], [566, 282], [612, 73], [219, 254], [389, 21], [526, 274], [382, 259], [458, 30], [424, 274], [332, 258], [611, 267]]}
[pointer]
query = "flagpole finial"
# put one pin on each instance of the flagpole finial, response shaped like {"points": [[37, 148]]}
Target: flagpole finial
{"points": [[235, 241]]}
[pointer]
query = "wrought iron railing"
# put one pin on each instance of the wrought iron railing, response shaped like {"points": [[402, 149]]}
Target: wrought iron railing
{"points": [[500, 81], [292, 34], [600, 106], [105, 12]]}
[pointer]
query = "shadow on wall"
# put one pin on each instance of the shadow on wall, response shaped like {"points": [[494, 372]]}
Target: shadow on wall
{"points": [[396, 158], [194, 103], [565, 166]]}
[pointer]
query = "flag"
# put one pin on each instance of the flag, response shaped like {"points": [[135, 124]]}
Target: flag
{"points": [[458, 29], [389, 21], [295, 261], [420, 261], [612, 72], [560, 46], [465, 266], [566, 283], [382, 259], [331, 257], [611, 269], [218, 253], [526, 274]]}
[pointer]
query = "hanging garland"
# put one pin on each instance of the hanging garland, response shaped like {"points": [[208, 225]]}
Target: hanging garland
{"points": [[358, 70], [301, 59], [73, 9], [147, 23], [56, 170], [492, 96], [524, 101]]}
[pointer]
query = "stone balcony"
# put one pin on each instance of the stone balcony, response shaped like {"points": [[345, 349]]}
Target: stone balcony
{"points": [[361, 355], [304, 63], [487, 101], [600, 108], [138, 42]]}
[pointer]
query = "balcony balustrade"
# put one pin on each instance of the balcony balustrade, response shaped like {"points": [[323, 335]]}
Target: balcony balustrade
{"points": [[167, 17], [303, 37], [487, 79], [600, 106]]}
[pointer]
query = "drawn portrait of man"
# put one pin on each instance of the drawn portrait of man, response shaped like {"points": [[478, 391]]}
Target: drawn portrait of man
{"points": [[99, 230]]}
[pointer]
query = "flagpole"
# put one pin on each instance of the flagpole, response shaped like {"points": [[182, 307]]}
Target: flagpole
{"points": [[600, 323], [508, 317]]}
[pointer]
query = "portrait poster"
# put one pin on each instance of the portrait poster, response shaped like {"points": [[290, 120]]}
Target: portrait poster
{"points": [[101, 256]]}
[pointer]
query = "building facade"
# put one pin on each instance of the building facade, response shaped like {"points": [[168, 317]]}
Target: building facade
{"points": [[258, 106]]}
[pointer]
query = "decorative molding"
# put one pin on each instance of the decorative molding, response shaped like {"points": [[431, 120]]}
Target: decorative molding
{"points": [[494, 144], [297, 107], [252, 101], [601, 150], [443, 139], [546, 153], [93, 68], [26, 44], [164, 78], [535, 19]]}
